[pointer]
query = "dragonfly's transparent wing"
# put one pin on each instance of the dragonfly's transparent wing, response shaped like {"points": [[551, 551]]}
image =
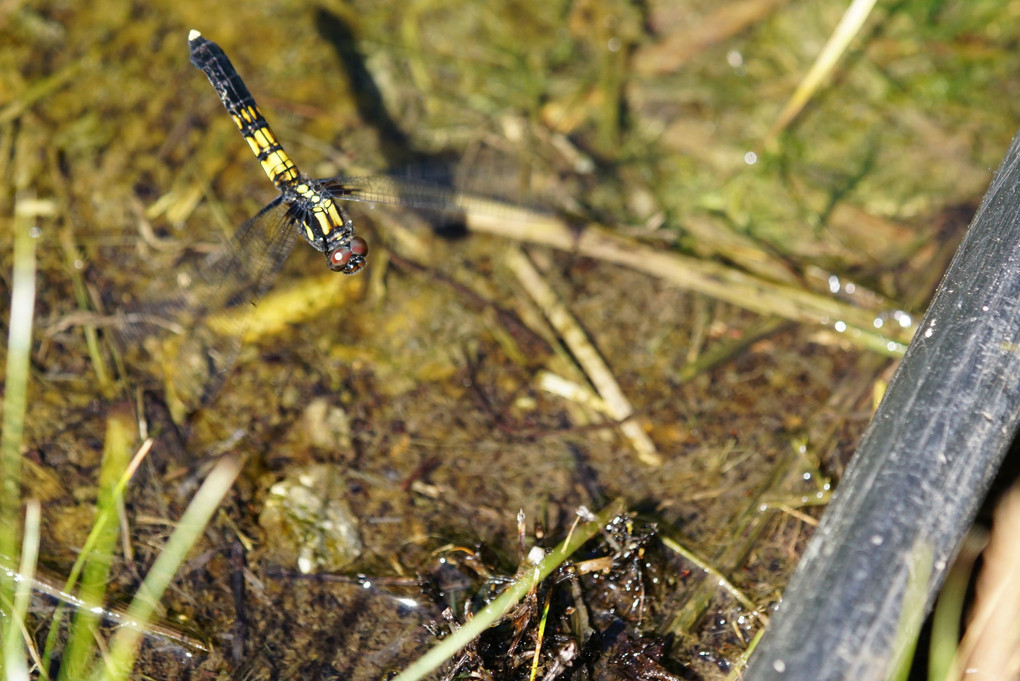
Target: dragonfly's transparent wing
{"points": [[422, 195], [193, 319]]}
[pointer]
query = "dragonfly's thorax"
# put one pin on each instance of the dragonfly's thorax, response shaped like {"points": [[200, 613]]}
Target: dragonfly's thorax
{"points": [[322, 220]]}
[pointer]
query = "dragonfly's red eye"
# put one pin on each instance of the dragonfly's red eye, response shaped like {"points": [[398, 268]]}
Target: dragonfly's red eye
{"points": [[358, 246], [349, 258]]}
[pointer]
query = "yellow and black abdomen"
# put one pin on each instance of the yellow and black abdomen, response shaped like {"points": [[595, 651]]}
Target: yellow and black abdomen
{"points": [[210, 58]]}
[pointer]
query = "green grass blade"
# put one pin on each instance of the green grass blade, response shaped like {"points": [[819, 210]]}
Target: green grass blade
{"points": [[491, 613], [98, 555], [19, 344], [124, 646]]}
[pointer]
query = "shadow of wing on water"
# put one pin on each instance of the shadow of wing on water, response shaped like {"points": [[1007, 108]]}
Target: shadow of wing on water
{"points": [[192, 319]]}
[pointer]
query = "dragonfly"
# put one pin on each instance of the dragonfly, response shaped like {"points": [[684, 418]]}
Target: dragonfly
{"points": [[312, 206], [243, 268]]}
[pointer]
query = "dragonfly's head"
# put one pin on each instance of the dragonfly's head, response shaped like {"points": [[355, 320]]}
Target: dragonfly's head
{"points": [[348, 257]]}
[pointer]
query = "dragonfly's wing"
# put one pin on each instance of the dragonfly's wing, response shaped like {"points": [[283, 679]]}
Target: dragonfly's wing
{"points": [[395, 191], [193, 319], [422, 195]]}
